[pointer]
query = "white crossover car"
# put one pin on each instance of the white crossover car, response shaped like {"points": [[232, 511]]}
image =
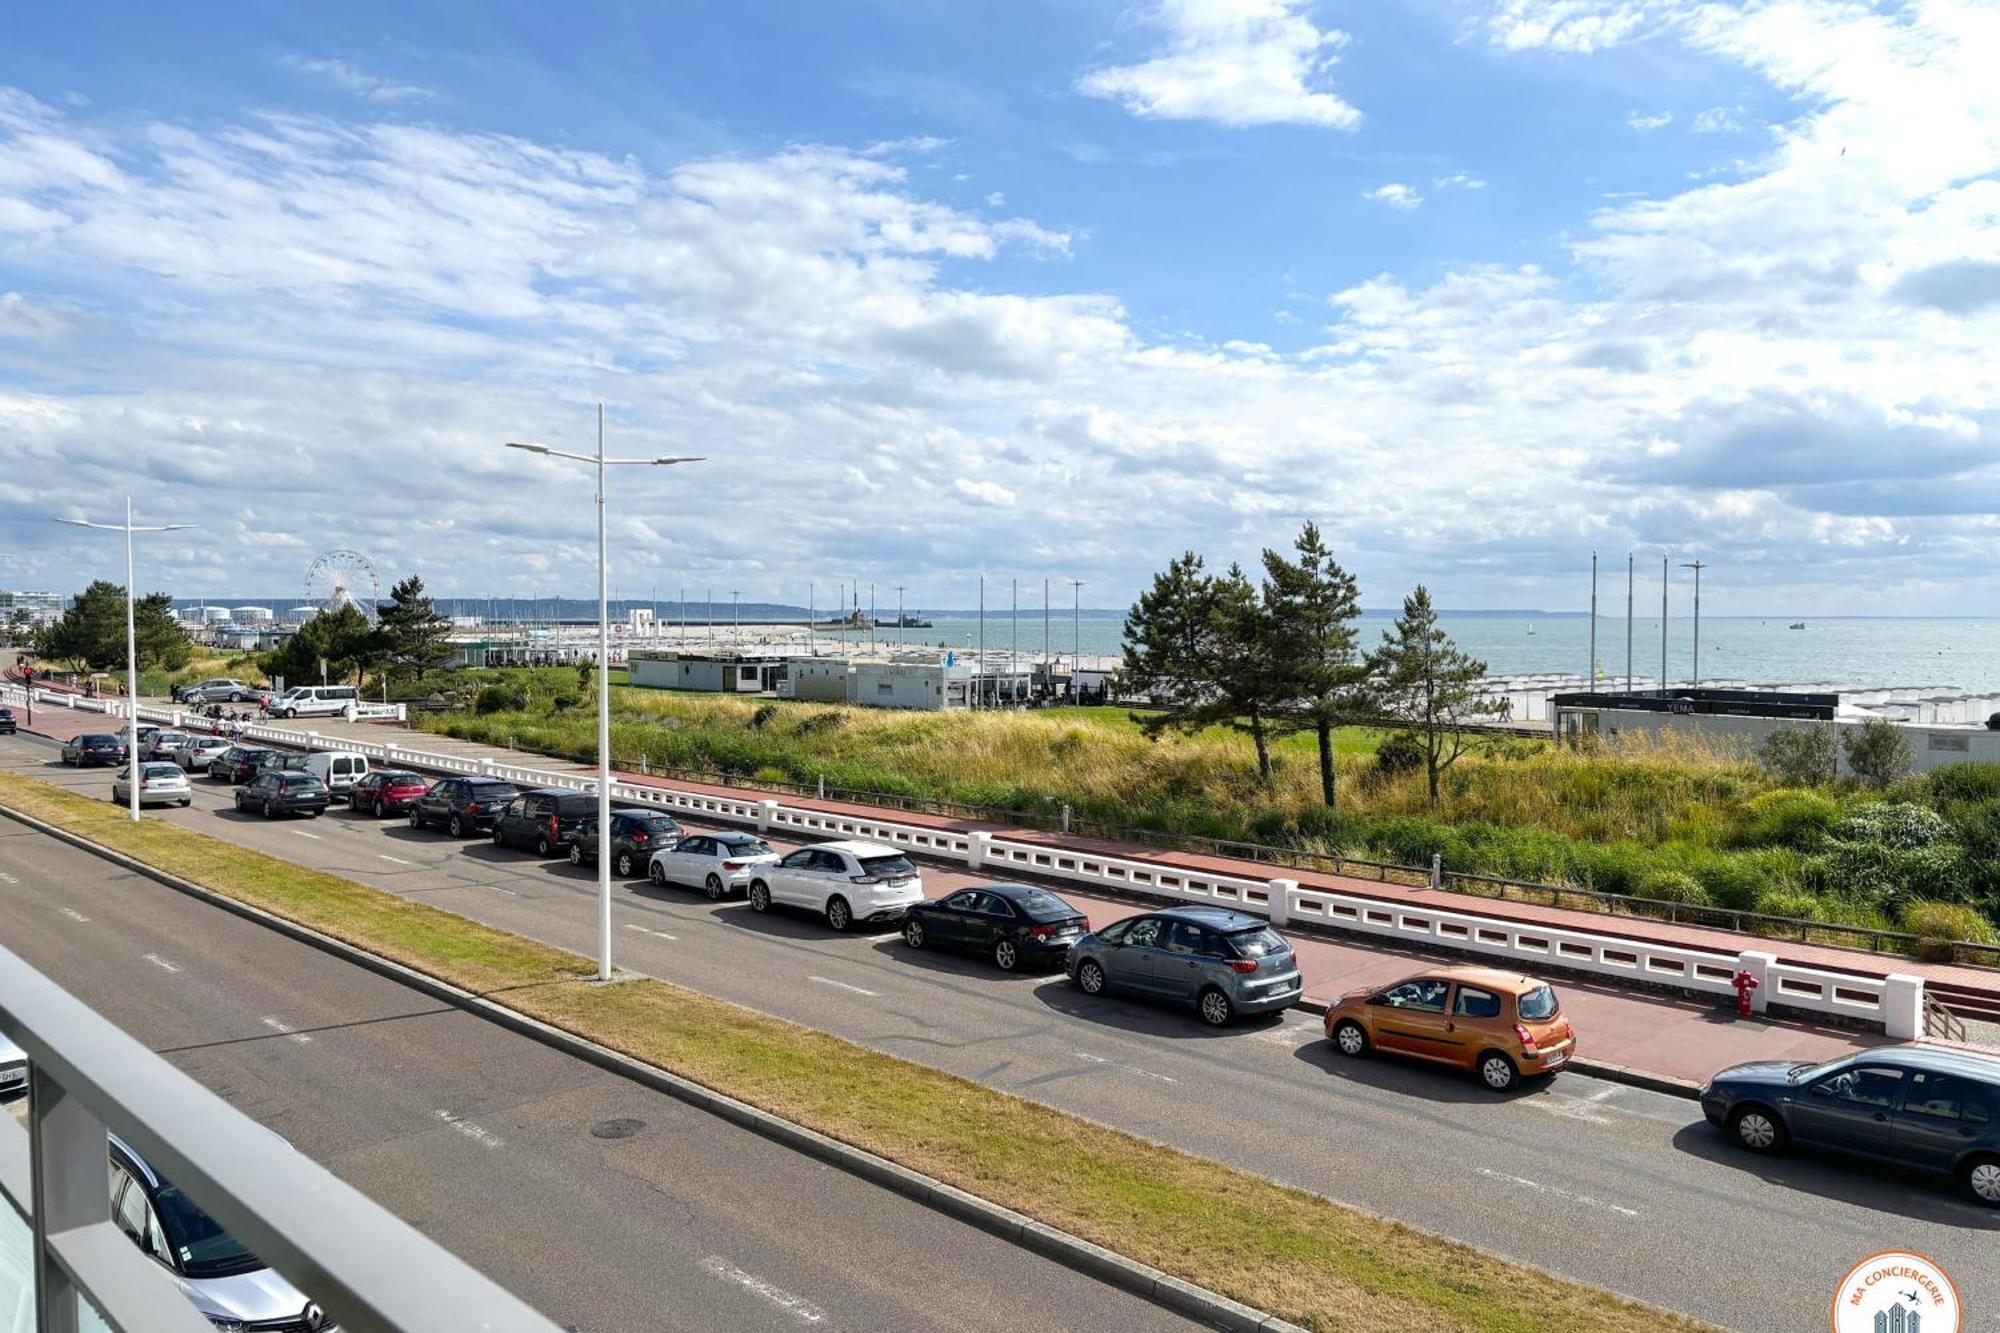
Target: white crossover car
{"points": [[159, 784], [844, 881], [719, 864]]}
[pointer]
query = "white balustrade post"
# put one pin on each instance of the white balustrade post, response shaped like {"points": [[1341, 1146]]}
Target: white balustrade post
{"points": [[1281, 891], [1758, 964], [976, 845], [1437, 870], [767, 814], [1903, 1006], [485, 767]]}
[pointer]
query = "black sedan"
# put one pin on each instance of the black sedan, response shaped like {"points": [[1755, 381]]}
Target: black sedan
{"points": [[1923, 1107], [93, 748], [7, 726], [1014, 923], [284, 792], [240, 763]]}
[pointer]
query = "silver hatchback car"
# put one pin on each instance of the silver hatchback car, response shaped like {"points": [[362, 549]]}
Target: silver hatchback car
{"points": [[1224, 963]]}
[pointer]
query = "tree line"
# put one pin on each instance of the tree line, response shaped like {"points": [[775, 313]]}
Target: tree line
{"points": [[1281, 655]]}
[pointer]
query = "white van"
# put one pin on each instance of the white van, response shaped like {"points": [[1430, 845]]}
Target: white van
{"points": [[315, 701], [338, 769]]}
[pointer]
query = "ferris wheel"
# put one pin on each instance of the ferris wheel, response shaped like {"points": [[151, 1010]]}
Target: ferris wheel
{"points": [[343, 578]]}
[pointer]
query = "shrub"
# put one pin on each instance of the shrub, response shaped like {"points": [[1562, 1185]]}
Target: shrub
{"points": [[1900, 825], [1401, 753], [1963, 782], [508, 698], [1887, 877], [1612, 868], [1412, 841], [1737, 881], [1795, 903], [1788, 817], [1940, 926], [1878, 751], [1673, 886], [764, 713], [817, 724], [1800, 756]]}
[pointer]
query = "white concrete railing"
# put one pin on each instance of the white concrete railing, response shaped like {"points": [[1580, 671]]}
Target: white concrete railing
{"points": [[1895, 1001]]}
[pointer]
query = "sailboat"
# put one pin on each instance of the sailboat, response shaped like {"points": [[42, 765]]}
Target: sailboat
{"points": [[1531, 629]]}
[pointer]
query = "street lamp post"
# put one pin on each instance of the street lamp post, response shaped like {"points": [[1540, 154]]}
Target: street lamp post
{"points": [[131, 644], [1697, 566], [603, 675], [1076, 641]]}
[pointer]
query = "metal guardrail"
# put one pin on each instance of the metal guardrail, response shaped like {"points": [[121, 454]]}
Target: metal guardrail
{"points": [[370, 1271], [1941, 1022]]}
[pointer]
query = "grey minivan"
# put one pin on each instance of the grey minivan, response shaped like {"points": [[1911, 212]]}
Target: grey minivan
{"points": [[231, 1287], [1224, 963]]}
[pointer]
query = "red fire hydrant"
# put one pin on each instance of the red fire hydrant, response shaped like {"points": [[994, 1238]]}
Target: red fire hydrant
{"points": [[1745, 984]]}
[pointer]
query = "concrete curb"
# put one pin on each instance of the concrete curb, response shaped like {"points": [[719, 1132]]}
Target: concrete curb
{"points": [[1018, 1228], [1604, 1069]]}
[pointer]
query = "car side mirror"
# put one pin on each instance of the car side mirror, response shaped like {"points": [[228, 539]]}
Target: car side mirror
{"points": [[1822, 1090], [1378, 999]]}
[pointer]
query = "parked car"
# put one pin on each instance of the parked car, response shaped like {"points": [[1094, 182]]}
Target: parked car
{"points": [[386, 791], [240, 763], [13, 1067], [7, 724], [146, 733], [338, 769], [93, 748], [283, 791], [844, 881], [1926, 1108], [635, 836], [220, 690], [1014, 923], [545, 820], [720, 864], [200, 752], [314, 701], [227, 1284], [1498, 1024], [162, 745], [159, 784], [462, 806], [1224, 963]]}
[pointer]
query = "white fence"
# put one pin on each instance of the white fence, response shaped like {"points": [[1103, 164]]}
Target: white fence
{"points": [[1895, 1002]]}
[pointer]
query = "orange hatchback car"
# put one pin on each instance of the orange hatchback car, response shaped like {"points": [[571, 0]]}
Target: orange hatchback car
{"points": [[1501, 1025]]}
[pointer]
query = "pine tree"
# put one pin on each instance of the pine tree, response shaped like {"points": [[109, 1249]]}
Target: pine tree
{"points": [[1429, 684], [1313, 604], [91, 633], [415, 637]]}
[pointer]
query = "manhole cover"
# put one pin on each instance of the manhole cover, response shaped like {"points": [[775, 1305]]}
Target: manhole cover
{"points": [[616, 1129]]}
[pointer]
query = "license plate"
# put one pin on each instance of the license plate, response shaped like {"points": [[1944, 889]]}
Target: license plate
{"points": [[899, 883], [1559, 1058]]}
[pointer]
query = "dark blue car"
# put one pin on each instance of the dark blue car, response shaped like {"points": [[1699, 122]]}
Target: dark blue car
{"points": [[1912, 1106]]}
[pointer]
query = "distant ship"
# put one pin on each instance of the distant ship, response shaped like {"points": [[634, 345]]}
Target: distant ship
{"points": [[913, 622], [856, 619], [1796, 624]]}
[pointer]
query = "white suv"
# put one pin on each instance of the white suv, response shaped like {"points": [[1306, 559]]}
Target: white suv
{"points": [[845, 881]]}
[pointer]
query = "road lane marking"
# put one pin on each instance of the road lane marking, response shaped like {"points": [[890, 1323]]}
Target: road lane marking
{"points": [[6, 878], [301, 833], [631, 925], [1290, 1036], [158, 961], [483, 1137], [1586, 1108], [280, 1025], [73, 914], [797, 1306], [1540, 1188], [829, 981], [1127, 1069], [397, 859]]}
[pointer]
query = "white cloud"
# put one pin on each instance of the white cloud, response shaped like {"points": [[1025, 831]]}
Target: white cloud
{"points": [[1646, 123], [348, 79], [1575, 26], [1718, 120], [1395, 194], [996, 200], [1458, 180], [30, 320], [1238, 63], [984, 492]]}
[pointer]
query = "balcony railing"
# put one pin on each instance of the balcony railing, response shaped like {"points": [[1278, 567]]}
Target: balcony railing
{"points": [[63, 1259]]}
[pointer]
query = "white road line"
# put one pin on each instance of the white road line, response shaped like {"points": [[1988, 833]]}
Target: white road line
{"points": [[279, 1025], [73, 914], [648, 930], [484, 1138], [301, 833], [1586, 1108], [1127, 1069], [6, 878], [829, 981], [1291, 1036], [397, 859], [797, 1306], [1540, 1188], [158, 961]]}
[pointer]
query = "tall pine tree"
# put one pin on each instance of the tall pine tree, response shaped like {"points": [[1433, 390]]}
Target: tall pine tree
{"points": [[1313, 604], [1429, 684], [415, 638]]}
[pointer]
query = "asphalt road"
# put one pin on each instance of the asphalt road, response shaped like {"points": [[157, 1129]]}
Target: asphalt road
{"points": [[606, 1205], [1624, 1188]]}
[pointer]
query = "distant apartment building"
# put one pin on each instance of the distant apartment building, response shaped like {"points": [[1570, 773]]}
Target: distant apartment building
{"points": [[37, 608]]}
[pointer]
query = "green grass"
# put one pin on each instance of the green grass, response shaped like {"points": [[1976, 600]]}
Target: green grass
{"points": [[1297, 1255]]}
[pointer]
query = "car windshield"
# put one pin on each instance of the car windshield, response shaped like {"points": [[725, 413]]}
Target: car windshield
{"points": [[887, 865], [162, 771], [1800, 1072], [744, 846], [395, 779], [1041, 905], [1538, 1004], [1257, 942], [199, 1243]]}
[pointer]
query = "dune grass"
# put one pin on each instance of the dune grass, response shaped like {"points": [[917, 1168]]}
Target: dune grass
{"points": [[1300, 1256]]}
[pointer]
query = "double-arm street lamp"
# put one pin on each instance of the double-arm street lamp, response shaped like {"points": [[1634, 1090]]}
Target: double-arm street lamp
{"points": [[603, 675], [131, 642]]}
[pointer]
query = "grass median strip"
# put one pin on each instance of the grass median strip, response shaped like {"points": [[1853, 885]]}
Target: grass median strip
{"points": [[1282, 1250]]}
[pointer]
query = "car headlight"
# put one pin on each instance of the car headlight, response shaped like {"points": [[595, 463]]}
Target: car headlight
{"points": [[223, 1325]]}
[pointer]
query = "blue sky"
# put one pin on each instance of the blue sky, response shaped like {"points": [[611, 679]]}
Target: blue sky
{"points": [[1022, 289]]}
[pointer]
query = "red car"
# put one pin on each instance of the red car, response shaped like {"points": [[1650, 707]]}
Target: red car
{"points": [[385, 792]]}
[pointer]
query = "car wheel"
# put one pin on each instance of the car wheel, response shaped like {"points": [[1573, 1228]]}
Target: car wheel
{"points": [[1497, 1072], [1350, 1037], [1756, 1129], [655, 875], [186, 801], [498, 841], [269, 813], [236, 698], [416, 820], [1216, 1010], [1090, 978], [913, 932], [1006, 955], [624, 864], [457, 827], [542, 845], [760, 896], [715, 888], [575, 855], [1981, 1177], [838, 914]]}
